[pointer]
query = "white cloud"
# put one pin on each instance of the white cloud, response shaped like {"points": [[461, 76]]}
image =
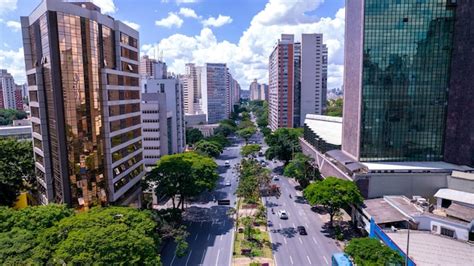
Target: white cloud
{"points": [[14, 62], [172, 20], [217, 22], [132, 25], [7, 6], [188, 12], [186, 1], [248, 59], [14, 25], [106, 6]]}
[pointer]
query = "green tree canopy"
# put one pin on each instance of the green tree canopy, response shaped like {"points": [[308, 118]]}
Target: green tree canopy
{"points": [[8, 115], [247, 133], [250, 149], [16, 169], [184, 174], [334, 107], [370, 252], [253, 179], [301, 169], [283, 143], [209, 148], [193, 135], [333, 194]]}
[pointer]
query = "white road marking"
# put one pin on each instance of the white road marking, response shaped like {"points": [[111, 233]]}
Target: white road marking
{"points": [[326, 260], [309, 260], [196, 236], [284, 239], [291, 259], [294, 225], [301, 241], [189, 256], [208, 236], [280, 226], [217, 259], [174, 257], [314, 240], [221, 237]]}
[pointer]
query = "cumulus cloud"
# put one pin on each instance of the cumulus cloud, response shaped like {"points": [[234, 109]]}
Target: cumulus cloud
{"points": [[172, 20], [248, 58], [132, 25], [217, 22], [106, 6], [188, 12], [7, 6], [14, 25], [14, 62]]}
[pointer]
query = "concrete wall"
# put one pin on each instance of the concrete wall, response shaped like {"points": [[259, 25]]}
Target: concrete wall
{"points": [[427, 223], [461, 184]]}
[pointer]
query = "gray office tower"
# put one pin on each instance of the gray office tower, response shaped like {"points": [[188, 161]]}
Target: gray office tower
{"points": [[82, 71], [408, 81]]}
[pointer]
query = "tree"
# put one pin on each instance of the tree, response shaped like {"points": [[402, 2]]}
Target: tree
{"points": [[219, 138], [334, 107], [266, 131], [247, 133], [253, 180], [333, 194], [301, 169], [8, 115], [283, 143], [369, 251], [250, 149], [16, 169], [184, 174], [208, 148], [193, 135]]}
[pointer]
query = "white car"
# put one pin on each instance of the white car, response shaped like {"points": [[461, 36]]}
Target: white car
{"points": [[227, 164], [282, 214], [227, 183], [276, 178]]}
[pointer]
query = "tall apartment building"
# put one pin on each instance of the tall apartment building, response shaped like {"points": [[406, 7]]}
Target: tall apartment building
{"points": [[8, 91], [313, 76], [192, 89], [152, 68], [263, 93], [281, 83], [215, 103], [296, 84], [236, 92], [407, 94], [254, 89], [82, 72]]}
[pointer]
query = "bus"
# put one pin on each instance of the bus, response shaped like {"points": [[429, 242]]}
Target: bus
{"points": [[340, 259]]}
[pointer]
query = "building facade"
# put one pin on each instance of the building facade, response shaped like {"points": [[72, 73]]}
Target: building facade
{"points": [[191, 90], [83, 82], [8, 91], [254, 89], [215, 102], [396, 79], [281, 83], [313, 81], [152, 68]]}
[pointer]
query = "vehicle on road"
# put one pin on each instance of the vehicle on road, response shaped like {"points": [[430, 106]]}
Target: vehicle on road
{"points": [[276, 178], [282, 214], [301, 230], [260, 153], [340, 259], [227, 164], [227, 183], [270, 224]]}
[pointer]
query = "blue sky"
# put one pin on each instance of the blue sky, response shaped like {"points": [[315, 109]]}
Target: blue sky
{"points": [[240, 33]]}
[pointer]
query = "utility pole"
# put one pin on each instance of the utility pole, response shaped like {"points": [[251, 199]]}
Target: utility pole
{"points": [[408, 243]]}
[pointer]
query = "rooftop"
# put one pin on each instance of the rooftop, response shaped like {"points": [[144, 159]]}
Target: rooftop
{"points": [[455, 195], [463, 175], [328, 128], [416, 166], [429, 249], [391, 209]]}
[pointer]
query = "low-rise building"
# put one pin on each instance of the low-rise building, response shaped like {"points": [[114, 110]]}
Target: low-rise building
{"points": [[16, 132]]}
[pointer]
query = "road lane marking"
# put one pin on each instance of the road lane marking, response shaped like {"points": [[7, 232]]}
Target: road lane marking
{"points": [[314, 240], [221, 237], [208, 236], [196, 236], [217, 259], [326, 260], [301, 241], [174, 257], [291, 259], [280, 226], [294, 225], [309, 260], [284, 239], [189, 256]]}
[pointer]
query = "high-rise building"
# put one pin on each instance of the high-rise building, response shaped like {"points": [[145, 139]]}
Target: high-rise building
{"points": [[402, 61], [281, 83], [313, 73], [8, 91], [152, 68], [192, 89], [254, 89], [296, 84], [82, 72], [263, 92], [215, 103]]}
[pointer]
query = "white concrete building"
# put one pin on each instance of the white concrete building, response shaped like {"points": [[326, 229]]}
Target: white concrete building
{"points": [[215, 103], [314, 60], [7, 90]]}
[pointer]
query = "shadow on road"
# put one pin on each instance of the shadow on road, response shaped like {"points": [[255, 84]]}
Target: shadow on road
{"points": [[226, 157], [275, 246], [288, 232]]}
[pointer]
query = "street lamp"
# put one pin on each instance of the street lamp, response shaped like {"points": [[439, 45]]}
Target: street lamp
{"points": [[408, 242]]}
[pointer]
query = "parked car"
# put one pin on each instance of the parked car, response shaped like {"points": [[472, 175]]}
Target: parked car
{"points": [[227, 164], [282, 214], [227, 183], [301, 230], [276, 178]]}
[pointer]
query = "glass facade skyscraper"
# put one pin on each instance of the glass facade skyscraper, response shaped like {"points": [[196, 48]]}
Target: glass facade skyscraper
{"points": [[396, 98]]}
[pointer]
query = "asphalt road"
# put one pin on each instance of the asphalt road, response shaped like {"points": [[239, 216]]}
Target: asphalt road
{"points": [[211, 229]]}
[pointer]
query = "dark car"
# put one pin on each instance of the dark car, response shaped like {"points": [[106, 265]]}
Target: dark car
{"points": [[301, 230]]}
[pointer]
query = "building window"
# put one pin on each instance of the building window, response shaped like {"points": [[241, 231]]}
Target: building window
{"points": [[447, 232]]}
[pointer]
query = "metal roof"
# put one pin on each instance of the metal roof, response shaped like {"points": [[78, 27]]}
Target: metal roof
{"points": [[327, 128], [455, 195]]}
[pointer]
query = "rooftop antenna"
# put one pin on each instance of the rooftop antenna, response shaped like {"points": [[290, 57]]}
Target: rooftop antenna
{"points": [[161, 56]]}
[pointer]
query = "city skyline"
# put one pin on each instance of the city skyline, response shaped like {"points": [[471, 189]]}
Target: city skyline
{"points": [[199, 39]]}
